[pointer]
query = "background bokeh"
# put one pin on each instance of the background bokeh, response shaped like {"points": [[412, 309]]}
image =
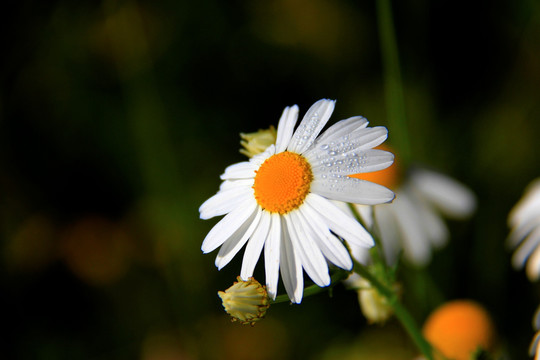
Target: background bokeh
{"points": [[117, 118]]}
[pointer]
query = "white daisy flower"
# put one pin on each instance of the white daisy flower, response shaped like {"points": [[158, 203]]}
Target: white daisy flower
{"points": [[279, 199], [413, 223], [524, 220]]}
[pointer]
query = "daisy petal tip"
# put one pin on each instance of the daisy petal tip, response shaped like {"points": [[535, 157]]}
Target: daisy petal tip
{"points": [[272, 293], [219, 263], [205, 249], [367, 240], [203, 215], [328, 102], [387, 197], [348, 265], [324, 103]]}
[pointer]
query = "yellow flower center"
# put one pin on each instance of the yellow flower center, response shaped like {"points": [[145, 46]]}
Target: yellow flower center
{"points": [[282, 182]]}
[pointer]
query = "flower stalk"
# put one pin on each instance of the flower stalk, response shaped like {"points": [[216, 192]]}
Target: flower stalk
{"points": [[393, 84], [400, 311]]}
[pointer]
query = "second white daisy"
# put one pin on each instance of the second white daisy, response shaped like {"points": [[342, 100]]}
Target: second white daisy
{"points": [[414, 222], [279, 199]]}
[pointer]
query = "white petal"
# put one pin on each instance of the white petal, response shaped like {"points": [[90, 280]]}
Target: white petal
{"points": [[271, 255], [229, 184], [536, 319], [348, 189], [290, 267], [336, 252], [316, 117], [254, 246], [231, 247], [519, 232], [533, 265], [228, 225], [332, 248], [310, 255], [258, 159], [433, 225], [369, 138], [449, 196], [388, 232], [352, 162], [342, 128], [415, 242], [242, 170], [339, 222], [525, 249], [528, 206], [349, 144], [286, 127], [366, 214], [534, 349], [225, 201]]}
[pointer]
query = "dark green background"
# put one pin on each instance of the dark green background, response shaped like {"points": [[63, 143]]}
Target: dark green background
{"points": [[117, 117]]}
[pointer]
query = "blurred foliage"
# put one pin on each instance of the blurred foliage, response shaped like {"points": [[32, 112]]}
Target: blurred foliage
{"points": [[117, 117]]}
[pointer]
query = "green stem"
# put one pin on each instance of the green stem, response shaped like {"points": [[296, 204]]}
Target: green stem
{"points": [[393, 85], [315, 289], [401, 312]]}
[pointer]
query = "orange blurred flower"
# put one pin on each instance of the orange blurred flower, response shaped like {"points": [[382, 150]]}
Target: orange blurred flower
{"points": [[459, 328], [97, 250]]}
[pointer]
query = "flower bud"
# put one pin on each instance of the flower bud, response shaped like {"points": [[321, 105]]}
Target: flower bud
{"points": [[256, 142], [245, 301], [374, 306]]}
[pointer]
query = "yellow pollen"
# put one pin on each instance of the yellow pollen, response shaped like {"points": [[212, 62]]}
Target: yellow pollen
{"points": [[282, 182]]}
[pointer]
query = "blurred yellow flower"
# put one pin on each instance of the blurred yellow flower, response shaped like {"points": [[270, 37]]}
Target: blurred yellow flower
{"points": [[459, 328]]}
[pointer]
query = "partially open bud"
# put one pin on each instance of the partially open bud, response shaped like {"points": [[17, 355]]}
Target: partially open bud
{"points": [[245, 301], [374, 306], [256, 142]]}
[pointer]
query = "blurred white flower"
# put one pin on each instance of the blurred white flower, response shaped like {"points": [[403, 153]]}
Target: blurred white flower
{"points": [[280, 199], [524, 220], [413, 223]]}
